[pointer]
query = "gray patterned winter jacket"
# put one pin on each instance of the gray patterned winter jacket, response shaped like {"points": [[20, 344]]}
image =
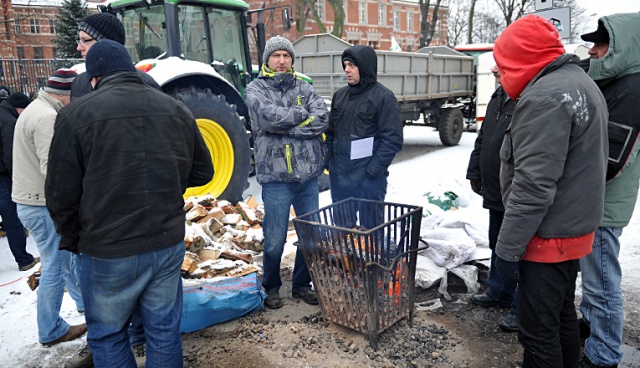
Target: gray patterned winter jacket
{"points": [[288, 118]]}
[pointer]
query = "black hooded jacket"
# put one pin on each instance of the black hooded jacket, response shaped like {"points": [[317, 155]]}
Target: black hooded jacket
{"points": [[366, 110], [484, 163]]}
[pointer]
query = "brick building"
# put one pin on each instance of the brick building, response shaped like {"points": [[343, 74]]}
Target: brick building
{"points": [[367, 22]]}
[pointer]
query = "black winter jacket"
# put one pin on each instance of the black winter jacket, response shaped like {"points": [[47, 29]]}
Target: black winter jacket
{"points": [[120, 160], [8, 118], [484, 163], [365, 110]]}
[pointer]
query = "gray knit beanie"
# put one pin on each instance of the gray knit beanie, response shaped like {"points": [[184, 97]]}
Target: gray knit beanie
{"points": [[278, 43]]}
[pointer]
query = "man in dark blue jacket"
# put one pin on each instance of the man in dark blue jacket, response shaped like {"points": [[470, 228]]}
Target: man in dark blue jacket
{"points": [[365, 132], [484, 175]]}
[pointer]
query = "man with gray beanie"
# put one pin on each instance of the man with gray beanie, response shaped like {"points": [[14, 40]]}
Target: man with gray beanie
{"points": [[92, 29], [287, 120], [114, 188], [34, 130]]}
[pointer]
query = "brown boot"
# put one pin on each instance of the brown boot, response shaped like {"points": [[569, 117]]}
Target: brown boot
{"points": [[73, 333]]}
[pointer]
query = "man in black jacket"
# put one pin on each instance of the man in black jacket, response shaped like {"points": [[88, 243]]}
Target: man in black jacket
{"points": [[365, 133], [484, 175], [114, 188], [10, 109]]}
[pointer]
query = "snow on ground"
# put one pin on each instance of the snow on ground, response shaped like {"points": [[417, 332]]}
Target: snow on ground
{"points": [[413, 173]]}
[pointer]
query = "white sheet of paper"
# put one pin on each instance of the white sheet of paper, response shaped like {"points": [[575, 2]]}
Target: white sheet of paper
{"points": [[361, 148]]}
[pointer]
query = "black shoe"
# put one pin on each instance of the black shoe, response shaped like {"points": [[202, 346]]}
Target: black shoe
{"points": [[273, 300], [485, 300], [307, 295], [510, 323], [586, 363]]}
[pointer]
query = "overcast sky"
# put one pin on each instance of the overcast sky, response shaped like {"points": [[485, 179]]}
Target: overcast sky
{"points": [[607, 7]]}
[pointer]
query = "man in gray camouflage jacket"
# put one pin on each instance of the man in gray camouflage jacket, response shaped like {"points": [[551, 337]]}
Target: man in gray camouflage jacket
{"points": [[287, 121]]}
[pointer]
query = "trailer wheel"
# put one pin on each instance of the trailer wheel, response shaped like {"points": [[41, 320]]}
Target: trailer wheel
{"points": [[451, 126], [226, 137]]}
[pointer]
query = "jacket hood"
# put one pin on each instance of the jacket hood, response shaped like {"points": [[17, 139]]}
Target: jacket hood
{"points": [[367, 62], [623, 57], [523, 50]]}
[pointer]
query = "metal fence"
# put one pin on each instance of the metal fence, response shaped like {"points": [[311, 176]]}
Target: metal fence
{"points": [[28, 76]]}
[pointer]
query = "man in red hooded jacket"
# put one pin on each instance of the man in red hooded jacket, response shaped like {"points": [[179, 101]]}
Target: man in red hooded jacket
{"points": [[554, 157]]}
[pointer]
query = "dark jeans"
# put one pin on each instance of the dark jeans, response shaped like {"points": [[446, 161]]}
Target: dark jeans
{"points": [[373, 189], [16, 235], [278, 199], [547, 314], [501, 289]]}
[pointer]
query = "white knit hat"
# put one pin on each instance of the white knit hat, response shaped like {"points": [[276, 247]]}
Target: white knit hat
{"points": [[278, 43]]}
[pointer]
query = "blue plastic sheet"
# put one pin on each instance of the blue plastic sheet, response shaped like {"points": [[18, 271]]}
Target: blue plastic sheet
{"points": [[221, 301]]}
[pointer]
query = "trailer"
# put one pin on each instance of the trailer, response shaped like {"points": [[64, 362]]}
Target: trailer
{"points": [[435, 83]]}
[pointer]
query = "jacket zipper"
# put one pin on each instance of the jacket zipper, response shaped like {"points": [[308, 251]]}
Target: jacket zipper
{"points": [[288, 154]]}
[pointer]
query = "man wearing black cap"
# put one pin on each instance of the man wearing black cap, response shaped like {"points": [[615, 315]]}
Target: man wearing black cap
{"points": [[615, 67], [114, 189], [10, 109], [365, 132], [30, 152]]}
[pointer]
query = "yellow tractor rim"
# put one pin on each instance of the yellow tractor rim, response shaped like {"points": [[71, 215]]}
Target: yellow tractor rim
{"points": [[221, 150]]}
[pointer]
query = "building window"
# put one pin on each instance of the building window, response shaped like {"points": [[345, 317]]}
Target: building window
{"points": [[409, 21], [52, 26], [320, 9], [16, 25], [396, 20], [373, 44], [20, 52], [35, 25], [362, 11], [382, 10], [38, 53], [409, 48], [54, 51]]}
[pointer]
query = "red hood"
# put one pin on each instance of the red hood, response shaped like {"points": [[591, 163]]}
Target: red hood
{"points": [[523, 50]]}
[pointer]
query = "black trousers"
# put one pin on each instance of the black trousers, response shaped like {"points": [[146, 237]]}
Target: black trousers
{"points": [[547, 314]]}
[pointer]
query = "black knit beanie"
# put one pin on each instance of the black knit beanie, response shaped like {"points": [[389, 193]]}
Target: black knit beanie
{"points": [[103, 26], [108, 57], [18, 100]]}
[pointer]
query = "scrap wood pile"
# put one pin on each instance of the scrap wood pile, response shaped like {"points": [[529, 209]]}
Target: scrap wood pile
{"points": [[221, 239]]}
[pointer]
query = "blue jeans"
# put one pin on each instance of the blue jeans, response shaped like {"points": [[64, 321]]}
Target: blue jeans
{"points": [[370, 188], [114, 287], [16, 236], [278, 199], [601, 304], [55, 268], [500, 288]]}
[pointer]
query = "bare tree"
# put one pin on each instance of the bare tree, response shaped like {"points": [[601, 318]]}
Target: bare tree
{"points": [[513, 9], [308, 7], [580, 21], [472, 10], [489, 27], [428, 26], [457, 22]]}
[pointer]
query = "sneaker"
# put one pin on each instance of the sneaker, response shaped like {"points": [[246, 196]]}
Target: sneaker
{"points": [[73, 333], [586, 363], [486, 301], [30, 265], [84, 359], [273, 300], [140, 353], [510, 323], [307, 295]]}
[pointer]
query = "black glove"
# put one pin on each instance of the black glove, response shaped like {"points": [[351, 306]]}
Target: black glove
{"points": [[508, 270], [476, 186]]}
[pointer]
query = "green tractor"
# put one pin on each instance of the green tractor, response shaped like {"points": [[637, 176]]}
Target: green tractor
{"points": [[198, 51]]}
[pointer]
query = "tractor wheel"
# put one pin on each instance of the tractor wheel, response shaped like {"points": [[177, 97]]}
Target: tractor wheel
{"points": [[451, 126], [226, 137]]}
